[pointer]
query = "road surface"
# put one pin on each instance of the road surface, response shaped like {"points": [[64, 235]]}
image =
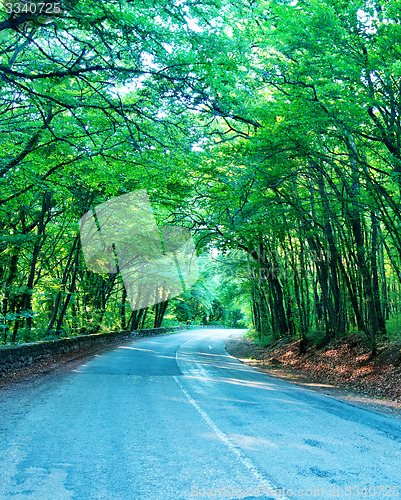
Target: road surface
{"points": [[175, 417]]}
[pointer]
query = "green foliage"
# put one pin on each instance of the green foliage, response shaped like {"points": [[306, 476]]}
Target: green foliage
{"points": [[213, 300], [99, 100], [272, 130]]}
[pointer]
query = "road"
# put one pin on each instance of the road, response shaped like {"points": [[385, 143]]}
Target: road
{"points": [[176, 417]]}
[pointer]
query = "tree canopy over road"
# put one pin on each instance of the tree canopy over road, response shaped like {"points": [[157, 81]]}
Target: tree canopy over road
{"points": [[271, 129]]}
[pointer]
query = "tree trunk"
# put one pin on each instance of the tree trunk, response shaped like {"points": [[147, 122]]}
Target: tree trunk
{"points": [[26, 301], [64, 280], [122, 309], [160, 309], [375, 274]]}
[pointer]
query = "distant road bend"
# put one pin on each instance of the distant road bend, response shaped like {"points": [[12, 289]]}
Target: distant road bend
{"points": [[176, 417]]}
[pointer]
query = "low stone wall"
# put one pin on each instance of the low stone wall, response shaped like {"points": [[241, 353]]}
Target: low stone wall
{"points": [[25, 357]]}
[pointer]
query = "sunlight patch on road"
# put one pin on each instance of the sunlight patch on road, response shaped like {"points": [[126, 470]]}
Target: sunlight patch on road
{"points": [[252, 442]]}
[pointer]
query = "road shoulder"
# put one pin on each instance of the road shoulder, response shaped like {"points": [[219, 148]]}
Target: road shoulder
{"points": [[248, 353]]}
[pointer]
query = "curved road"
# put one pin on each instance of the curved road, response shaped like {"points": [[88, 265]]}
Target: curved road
{"points": [[175, 417]]}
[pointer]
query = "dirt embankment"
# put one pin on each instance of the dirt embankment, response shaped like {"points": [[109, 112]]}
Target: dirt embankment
{"points": [[343, 369]]}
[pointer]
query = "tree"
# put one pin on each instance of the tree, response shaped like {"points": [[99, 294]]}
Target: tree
{"points": [[97, 100], [318, 178]]}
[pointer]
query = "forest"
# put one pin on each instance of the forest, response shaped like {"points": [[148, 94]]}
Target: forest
{"points": [[268, 128]]}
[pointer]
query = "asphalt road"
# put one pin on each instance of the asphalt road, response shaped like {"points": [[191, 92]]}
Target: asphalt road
{"points": [[175, 417]]}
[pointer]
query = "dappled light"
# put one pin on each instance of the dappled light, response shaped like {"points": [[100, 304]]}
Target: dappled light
{"points": [[200, 249]]}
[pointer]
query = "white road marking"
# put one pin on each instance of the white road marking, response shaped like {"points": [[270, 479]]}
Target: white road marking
{"points": [[224, 438]]}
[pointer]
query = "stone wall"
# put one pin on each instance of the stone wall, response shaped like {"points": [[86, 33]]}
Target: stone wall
{"points": [[25, 357]]}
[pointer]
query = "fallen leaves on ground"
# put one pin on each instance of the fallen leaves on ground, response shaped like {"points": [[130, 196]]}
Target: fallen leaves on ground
{"points": [[345, 363]]}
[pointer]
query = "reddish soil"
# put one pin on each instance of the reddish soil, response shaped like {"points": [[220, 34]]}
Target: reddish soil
{"points": [[344, 369]]}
